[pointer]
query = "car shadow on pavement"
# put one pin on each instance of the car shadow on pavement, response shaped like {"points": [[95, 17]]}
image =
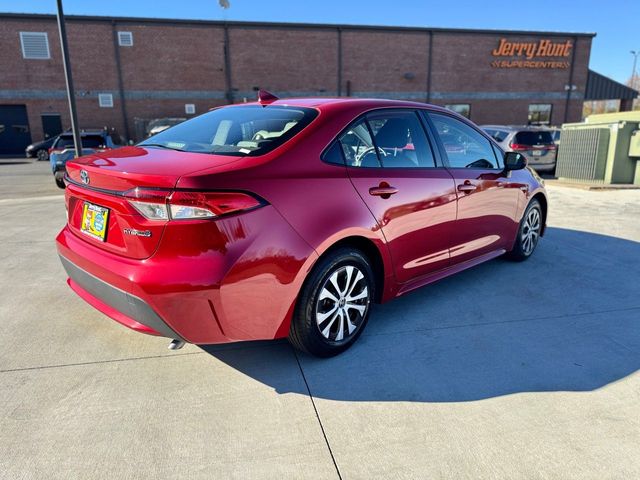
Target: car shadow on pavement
{"points": [[568, 319]]}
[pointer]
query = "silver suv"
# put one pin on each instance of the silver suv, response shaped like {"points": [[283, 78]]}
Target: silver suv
{"points": [[536, 143]]}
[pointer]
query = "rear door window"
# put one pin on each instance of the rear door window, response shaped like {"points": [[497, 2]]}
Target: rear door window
{"points": [[500, 135], [400, 140], [64, 142], [388, 139]]}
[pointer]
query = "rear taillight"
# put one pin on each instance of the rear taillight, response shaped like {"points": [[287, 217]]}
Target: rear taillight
{"points": [[551, 147], [518, 147], [187, 204], [150, 203]]}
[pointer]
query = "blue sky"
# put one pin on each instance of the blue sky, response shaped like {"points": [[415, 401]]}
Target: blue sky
{"points": [[616, 22]]}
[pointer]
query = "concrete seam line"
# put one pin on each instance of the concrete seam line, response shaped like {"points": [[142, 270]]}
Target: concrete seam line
{"points": [[315, 409], [97, 362], [223, 348], [31, 199]]}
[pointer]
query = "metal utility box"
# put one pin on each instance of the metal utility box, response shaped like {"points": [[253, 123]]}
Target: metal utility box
{"points": [[604, 149], [634, 144]]}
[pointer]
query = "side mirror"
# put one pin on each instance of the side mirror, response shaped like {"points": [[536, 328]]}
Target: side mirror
{"points": [[514, 161]]}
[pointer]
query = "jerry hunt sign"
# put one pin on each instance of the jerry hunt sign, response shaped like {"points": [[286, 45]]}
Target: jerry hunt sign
{"points": [[532, 54]]}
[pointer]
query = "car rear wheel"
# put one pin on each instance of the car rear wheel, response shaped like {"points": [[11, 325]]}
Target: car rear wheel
{"points": [[333, 307], [528, 233], [60, 181]]}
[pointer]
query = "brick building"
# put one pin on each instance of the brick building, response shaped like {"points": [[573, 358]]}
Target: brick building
{"points": [[128, 70]]}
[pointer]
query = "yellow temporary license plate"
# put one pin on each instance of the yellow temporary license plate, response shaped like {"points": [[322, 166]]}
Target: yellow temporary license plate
{"points": [[94, 220]]}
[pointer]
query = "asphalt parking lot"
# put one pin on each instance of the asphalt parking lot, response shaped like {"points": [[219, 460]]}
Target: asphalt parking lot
{"points": [[507, 370]]}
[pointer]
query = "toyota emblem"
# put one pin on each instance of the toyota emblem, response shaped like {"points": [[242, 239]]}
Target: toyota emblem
{"points": [[84, 176]]}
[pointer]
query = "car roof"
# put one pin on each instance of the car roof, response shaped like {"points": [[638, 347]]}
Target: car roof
{"points": [[339, 103]]}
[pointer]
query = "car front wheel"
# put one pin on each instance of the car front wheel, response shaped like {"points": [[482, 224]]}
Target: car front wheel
{"points": [[42, 155], [333, 307], [528, 233]]}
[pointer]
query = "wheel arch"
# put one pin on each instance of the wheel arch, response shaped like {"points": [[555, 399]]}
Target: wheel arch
{"points": [[371, 251], [542, 199]]}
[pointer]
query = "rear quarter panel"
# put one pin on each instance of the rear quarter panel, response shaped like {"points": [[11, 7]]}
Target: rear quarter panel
{"points": [[316, 199]]}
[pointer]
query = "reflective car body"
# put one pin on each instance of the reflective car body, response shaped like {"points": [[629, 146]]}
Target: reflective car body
{"points": [[238, 275]]}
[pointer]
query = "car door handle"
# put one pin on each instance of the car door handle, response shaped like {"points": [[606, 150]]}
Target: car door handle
{"points": [[467, 187], [383, 190]]}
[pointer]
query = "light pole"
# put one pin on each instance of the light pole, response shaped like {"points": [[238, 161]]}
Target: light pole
{"points": [[635, 54], [77, 140]]}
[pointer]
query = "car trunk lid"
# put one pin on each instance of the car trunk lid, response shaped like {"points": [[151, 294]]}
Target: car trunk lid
{"points": [[98, 184]]}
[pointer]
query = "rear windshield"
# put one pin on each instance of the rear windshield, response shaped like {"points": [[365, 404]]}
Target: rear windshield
{"points": [[534, 138], [238, 131], [88, 141]]}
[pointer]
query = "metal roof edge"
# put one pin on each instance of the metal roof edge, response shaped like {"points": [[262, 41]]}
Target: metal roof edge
{"points": [[257, 24]]}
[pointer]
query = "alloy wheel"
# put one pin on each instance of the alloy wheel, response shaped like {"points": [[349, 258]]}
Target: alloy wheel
{"points": [[342, 303], [530, 231]]}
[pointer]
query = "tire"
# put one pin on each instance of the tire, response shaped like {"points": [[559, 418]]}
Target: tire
{"points": [[60, 182], [528, 233], [42, 155], [325, 323]]}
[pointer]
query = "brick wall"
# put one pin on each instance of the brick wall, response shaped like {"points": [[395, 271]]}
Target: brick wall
{"points": [[174, 63], [377, 62], [291, 61]]}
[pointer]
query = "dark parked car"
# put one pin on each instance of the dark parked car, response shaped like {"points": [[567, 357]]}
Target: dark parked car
{"points": [[40, 150], [291, 218], [63, 149], [161, 124], [536, 143]]}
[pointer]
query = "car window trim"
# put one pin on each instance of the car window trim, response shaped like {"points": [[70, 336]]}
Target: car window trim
{"points": [[428, 113]]}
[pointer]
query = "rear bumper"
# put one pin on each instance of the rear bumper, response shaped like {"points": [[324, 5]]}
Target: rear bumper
{"points": [[241, 289], [123, 307]]}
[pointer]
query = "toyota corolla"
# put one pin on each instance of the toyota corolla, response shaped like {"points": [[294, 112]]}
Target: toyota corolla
{"points": [[291, 218]]}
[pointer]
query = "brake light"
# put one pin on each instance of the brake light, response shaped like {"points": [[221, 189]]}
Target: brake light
{"points": [[188, 205], [518, 147], [552, 147]]}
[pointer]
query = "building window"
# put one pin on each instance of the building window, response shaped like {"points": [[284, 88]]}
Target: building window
{"points": [[125, 39], [539, 114], [189, 108], [35, 45], [105, 100], [463, 109]]}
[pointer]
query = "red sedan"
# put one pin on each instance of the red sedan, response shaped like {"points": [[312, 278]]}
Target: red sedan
{"points": [[290, 218]]}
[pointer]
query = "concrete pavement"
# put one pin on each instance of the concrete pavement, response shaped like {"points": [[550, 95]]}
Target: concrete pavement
{"points": [[25, 177], [507, 370]]}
